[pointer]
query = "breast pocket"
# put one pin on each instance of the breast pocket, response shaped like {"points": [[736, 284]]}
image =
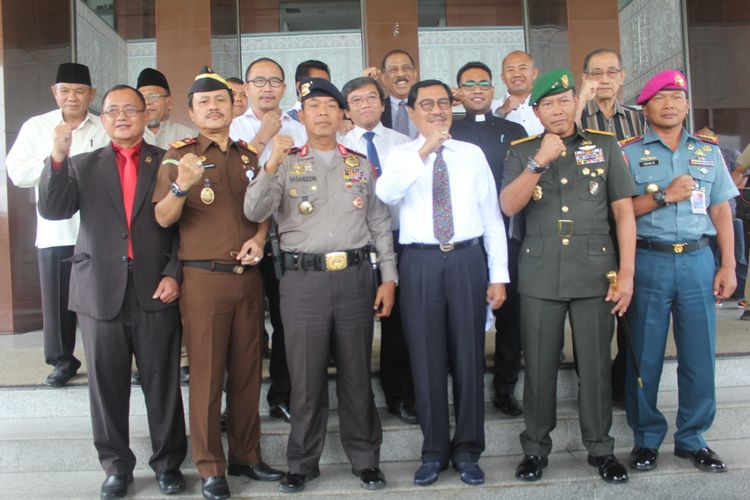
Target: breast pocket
{"points": [[650, 175], [356, 195], [205, 190], [704, 176], [592, 181]]}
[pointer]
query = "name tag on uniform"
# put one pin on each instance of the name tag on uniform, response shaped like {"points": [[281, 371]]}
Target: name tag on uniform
{"points": [[648, 162]]}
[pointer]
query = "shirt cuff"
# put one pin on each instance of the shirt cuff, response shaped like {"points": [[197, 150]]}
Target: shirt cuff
{"points": [[499, 275]]}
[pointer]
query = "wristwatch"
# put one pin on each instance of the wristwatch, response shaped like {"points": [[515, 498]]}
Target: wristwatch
{"points": [[660, 198], [177, 191], [534, 167]]}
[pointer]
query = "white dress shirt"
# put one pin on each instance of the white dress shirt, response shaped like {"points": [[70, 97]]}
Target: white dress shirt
{"points": [[246, 126], [413, 132], [25, 162], [168, 133], [384, 139], [407, 181], [523, 115]]}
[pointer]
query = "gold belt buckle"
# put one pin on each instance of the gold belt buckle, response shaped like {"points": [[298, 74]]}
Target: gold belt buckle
{"points": [[564, 228], [336, 261], [238, 269], [446, 247], [678, 247]]}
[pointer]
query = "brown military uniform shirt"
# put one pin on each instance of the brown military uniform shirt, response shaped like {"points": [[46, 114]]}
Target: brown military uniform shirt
{"points": [[210, 231], [345, 214]]}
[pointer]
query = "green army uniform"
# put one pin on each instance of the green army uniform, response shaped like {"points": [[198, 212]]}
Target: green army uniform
{"points": [[565, 256]]}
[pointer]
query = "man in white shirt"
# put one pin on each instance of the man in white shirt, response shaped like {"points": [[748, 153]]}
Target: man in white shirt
{"points": [[518, 75], [364, 102], [447, 204], [160, 130], [55, 239], [264, 119]]}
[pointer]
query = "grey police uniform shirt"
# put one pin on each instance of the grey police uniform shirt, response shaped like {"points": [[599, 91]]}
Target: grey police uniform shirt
{"points": [[567, 250], [345, 215]]}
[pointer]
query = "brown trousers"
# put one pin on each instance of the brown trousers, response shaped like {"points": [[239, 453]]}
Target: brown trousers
{"points": [[222, 315]]}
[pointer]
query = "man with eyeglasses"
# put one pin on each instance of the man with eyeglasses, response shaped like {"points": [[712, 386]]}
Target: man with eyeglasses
{"points": [[565, 182], [364, 104], [201, 186], [599, 108], [494, 135], [447, 204], [160, 130], [73, 94], [683, 193], [124, 287], [397, 73], [518, 73]]}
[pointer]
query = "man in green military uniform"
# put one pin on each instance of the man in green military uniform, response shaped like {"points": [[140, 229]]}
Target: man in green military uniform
{"points": [[566, 181]]}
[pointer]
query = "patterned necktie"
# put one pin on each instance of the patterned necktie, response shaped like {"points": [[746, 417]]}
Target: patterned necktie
{"points": [[129, 180], [402, 120], [372, 151], [442, 209]]}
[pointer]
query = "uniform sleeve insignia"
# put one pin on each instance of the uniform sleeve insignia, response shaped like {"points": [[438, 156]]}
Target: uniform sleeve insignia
{"points": [[184, 142], [601, 132], [525, 139], [629, 140], [707, 138]]}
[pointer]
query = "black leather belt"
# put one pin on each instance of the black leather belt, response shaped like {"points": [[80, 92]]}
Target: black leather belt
{"points": [[660, 246], [217, 266], [444, 247], [332, 261]]}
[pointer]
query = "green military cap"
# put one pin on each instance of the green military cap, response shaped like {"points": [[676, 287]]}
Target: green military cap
{"points": [[551, 83]]}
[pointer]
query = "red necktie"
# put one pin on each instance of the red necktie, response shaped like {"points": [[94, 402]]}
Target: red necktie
{"points": [[129, 180]]}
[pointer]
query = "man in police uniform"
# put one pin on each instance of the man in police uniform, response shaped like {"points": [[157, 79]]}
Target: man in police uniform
{"points": [[683, 189], [327, 215], [565, 181], [201, 185]]}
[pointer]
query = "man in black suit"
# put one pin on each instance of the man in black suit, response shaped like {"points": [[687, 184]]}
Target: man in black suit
{"points": [[124, 286], [398, 72]]}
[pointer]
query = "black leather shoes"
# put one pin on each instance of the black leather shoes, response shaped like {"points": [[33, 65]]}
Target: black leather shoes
{"points": [[610, 469], [704, 459], [643, 459], [135, 378], [116, 486], [60, 376], [469, 472], [184, 375], [215, 488], [405, 412], [372, 479], [428, 473], [294, 483], [258, 472], [280, 410], [530, 468], [508, 404], [170, 481]]}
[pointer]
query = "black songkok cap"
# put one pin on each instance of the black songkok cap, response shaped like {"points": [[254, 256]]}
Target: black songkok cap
{"points": [[316, 87], [207, 81], [73, 73], [150, 76]]}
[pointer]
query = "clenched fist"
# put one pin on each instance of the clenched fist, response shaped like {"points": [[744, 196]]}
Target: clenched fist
{"points": [[62, 140], [681, 188], [189, 171], [281, 146], [551, 148]]}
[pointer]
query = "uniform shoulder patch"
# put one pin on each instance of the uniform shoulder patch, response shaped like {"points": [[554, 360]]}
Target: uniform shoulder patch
{"points": [[629, 140], [356, 153], [246, 145], [601, 132], [707, 138], [184, 142], [525, 139]]}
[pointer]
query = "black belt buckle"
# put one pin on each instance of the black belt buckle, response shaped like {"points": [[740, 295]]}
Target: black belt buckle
{"points": [[564, 228]]}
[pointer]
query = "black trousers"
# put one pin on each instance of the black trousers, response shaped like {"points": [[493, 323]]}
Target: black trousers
{"points": [[443, 300], [280, 387], [508, 326], [395, 370], [59, 324], [154, 339]]}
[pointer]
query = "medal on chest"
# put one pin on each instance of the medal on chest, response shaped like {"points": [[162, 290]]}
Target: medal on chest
{"points": [[207, 193]]}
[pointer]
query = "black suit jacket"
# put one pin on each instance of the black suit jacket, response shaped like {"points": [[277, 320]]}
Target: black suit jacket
{"points": [[386, 118], [90, 184]]}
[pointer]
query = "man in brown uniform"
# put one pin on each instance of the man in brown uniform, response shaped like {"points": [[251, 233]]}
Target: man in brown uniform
{"points": [[201, 183], [327, 216]]}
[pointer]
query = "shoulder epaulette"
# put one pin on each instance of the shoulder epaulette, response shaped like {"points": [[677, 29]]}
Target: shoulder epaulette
{"points": [[184, 142], [601, 132], [246, 145], [629, 140], [707, 138], [525, 139], [357, 153]]}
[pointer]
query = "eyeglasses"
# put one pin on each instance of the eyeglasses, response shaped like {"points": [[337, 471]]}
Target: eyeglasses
{"points": [[261, 82], [115, 112], [598, 74], [154, 96], [482, 84], [428, 104], [359, 100]]}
